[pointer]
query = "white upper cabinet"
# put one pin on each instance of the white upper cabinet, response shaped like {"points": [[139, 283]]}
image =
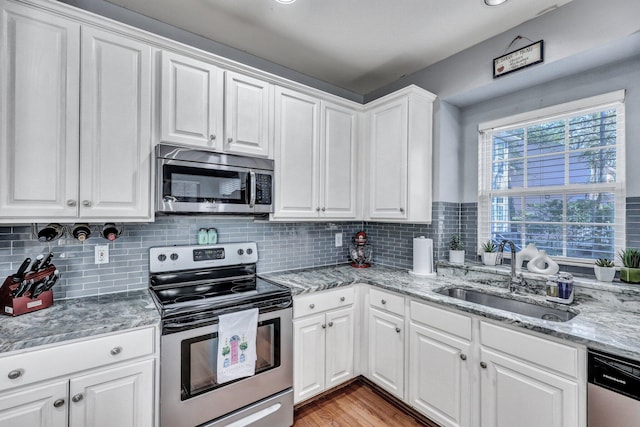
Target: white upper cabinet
{"points": [[315, 154], [72, 150], [39, 121], [399, 158], [115, 155], [248, 117], [296, 155], [190, 102]]}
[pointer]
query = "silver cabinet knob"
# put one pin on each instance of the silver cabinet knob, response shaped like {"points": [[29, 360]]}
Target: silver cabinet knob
{"points": [[86, 203], [58, 403], [330, 324], [229, 139], [77, 398], [318, 209], [312, 306], [324, 326], [116, 351], [483, 365], [398, 330], [15, 374], [401, 210], [341, 299], [71, 202], [323, 209], [212, 137], [463, 356], [383, 302]]}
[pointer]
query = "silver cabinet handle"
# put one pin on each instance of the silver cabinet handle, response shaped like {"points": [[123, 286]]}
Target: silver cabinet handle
{"points": [[58, 403], [229, 139], [212, 137], [77, 398], [324, 326], [341, 299], [398, 330], [318, 209], [15, 374], [483, 365], [312, 306], [463, 356], [323, 209], [116, 351], [330, 324], [401, 210], [383, 302], [86, 203], [71, 202]]}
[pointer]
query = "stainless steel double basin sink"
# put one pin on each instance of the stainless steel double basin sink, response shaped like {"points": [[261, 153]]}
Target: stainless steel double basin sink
{"points": [[502, 303]]}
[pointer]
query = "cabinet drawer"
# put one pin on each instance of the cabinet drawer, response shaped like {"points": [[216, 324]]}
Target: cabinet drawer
{"points": [[38, 365], [444, 320], [387, 301], [543, 352], [322, 301]]}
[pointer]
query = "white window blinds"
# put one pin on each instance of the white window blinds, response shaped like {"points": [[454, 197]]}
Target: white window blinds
{"points": [[555, 177]]}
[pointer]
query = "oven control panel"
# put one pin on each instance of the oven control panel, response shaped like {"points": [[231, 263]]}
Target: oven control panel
{"points": [[175, 258]]}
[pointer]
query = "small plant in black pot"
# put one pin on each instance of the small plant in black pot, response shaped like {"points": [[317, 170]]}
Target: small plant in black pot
{"points": [[630, 271]]}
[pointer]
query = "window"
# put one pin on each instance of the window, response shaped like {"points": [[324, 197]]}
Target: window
{"points": [[555, 177]]}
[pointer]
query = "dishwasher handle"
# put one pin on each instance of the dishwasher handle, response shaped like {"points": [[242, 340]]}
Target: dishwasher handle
{"points": [[616, 375]]}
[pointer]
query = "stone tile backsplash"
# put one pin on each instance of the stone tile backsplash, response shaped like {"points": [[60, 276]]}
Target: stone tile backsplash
{"points": [[281, 246]]}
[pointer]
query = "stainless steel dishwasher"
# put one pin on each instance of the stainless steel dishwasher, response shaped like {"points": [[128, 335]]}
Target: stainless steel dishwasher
{"points": [[613, 392]]}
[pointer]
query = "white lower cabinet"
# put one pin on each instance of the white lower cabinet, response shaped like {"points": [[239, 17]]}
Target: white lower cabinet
{"points": [[323, 342], [107, 381]]}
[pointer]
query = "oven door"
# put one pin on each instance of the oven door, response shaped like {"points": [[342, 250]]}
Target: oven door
{"points": [[189, 392]]}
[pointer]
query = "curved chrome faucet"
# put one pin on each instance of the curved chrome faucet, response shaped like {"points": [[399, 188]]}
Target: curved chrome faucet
{"points": [[517, 280]]}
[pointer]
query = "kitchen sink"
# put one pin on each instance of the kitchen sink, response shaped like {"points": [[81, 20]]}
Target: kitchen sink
{"points": [[508, 304]]}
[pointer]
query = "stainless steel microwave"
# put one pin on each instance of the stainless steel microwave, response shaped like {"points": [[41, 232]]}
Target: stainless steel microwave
{"points": [[198, 181]]}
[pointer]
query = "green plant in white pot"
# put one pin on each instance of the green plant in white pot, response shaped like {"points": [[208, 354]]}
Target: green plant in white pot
{"points": [[605, 270], [489, 254], [456, 250]]}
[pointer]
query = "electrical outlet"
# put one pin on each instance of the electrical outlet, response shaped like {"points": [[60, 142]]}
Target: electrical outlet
{"points": [[338, 240], [102, 254]]}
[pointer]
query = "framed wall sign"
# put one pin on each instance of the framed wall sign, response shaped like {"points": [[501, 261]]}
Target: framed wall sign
{"points": [[518, 59]]}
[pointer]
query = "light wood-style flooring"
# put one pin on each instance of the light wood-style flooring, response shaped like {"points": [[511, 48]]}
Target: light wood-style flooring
{"points": [[352, 406]]}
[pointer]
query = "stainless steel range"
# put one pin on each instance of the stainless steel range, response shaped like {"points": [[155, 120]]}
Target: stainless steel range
{"points": [[192, 286]]}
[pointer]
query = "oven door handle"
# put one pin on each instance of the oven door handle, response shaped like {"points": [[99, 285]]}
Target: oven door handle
{"points": [[181, 325]]}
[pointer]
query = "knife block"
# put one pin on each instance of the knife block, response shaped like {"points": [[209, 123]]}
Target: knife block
{"points": [[12, 306]]}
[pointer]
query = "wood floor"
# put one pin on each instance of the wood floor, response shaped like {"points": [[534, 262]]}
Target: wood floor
{"points": [[353, 406]]}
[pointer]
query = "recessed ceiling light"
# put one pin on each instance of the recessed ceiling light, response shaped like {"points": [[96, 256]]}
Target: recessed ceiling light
{"points": [[285, 1], [494, 2]]}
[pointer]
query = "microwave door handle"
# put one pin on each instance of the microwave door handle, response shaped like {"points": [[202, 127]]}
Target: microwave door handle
{"points": [[252, 191]]}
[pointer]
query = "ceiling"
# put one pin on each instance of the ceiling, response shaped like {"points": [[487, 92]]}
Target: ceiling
{"points": [[358, 45]]}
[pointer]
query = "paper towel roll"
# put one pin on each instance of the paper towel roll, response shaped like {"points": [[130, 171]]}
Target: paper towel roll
{"points": [[422, 257]]}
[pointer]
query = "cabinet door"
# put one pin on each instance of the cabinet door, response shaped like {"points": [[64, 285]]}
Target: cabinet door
{"points": [[41, 406], [296, 154], [338, 161], [514, 393], [191, 102], [439, 384], [115, 134], [308, 357], [120, 397], [39, 114], [386, 351], [339, 346], [388, 160], [247, 115]]}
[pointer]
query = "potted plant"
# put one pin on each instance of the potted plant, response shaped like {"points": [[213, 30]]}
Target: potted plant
{"points": [[489, 254], [605, 270], [630, 272], [456, 250]]}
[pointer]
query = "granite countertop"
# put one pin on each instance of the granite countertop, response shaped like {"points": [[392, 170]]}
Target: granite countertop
{"points": [[608, 319], [78, 318]]}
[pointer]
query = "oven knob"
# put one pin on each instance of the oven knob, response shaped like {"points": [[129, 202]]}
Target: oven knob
{"points": [[162, 257], [174, 256], [249, 251], [240, 252]]}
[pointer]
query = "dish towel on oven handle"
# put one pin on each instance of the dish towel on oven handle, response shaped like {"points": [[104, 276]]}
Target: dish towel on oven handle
{"points": [[237, 345]]}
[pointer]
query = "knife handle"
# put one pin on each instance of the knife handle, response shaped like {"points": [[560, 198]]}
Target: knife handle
{"points": [[20, 273]]}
